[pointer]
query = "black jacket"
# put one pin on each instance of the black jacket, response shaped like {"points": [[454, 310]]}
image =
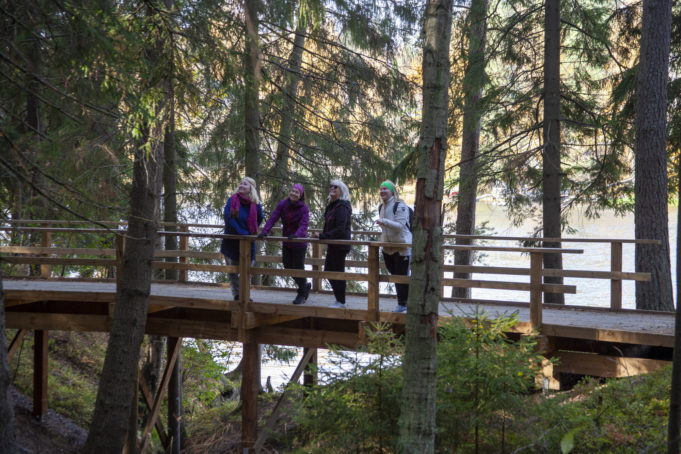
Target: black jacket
{"points": [[337, 223]]}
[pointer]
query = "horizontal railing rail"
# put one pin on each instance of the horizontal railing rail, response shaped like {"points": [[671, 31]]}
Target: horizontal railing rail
{"points": [[51, 251]]}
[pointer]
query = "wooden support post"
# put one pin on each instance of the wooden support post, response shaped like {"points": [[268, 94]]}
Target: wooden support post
{"points": [[249, 396], [244, 274], [39, 373], [615, 267], [535, 289], [45, 270], [316, 254], [148, 398], [175, 409], [156, 408], [310, 376], [550, 378], [372, 305], [184, 246]]}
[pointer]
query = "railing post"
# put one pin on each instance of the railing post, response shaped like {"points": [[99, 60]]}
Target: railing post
{"points": [[45, 270], [616, 267], [372, 289], [184, 246], [535, 289], [244, 274], [316, 254]]}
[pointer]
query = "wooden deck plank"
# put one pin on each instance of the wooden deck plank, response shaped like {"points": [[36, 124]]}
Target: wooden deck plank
{"points": [[631, 326]]}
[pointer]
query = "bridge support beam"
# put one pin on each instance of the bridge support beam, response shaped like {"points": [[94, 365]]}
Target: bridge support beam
{"points": [[310, 374], [249, 396], [40, 373]]}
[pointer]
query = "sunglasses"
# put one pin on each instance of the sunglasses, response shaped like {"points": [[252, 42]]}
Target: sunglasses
{"points": [[333, 187]]}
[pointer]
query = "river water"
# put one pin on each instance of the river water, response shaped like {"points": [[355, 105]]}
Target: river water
{"points": [[596, 256]]}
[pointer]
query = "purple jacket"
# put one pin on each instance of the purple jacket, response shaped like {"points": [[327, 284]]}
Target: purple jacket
{"points": [[295, 217]]}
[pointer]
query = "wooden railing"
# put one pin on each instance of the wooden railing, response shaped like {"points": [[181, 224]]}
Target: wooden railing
{"points": [[55, 253]]}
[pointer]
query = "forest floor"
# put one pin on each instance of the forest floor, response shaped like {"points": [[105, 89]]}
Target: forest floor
{"points": [[54, 434], [57, 434]]}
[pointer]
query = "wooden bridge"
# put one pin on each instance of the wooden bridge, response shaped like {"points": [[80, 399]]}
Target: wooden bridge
{"points": [[55, 279]]}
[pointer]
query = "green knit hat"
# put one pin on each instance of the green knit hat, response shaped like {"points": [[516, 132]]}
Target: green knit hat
{"points": [[389, 185]]}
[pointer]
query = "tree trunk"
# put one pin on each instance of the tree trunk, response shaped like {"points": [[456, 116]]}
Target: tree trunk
{"points": [[170, 179], [252, 64], [7, 437], [470, 142], [118, 381], [281, 171], [175, 408], [417, 416], [288, 107], [551, 148], [650, 186]]}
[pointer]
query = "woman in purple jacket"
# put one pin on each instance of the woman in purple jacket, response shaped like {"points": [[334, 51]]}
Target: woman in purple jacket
{"points": [[295, 217]]}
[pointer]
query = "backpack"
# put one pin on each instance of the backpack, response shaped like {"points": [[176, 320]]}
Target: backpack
{"points": [[410, 223]]}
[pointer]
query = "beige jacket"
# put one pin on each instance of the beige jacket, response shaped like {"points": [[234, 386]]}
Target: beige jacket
{"points": [[394, 228]]}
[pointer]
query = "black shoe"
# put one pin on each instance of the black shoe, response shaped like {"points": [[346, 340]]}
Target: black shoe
{"points": [[236, 298], [300, 299], [306, 291]]}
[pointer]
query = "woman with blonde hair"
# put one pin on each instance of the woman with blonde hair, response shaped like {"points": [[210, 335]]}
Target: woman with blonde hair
{"points": [[242, 214], [337, 226]]}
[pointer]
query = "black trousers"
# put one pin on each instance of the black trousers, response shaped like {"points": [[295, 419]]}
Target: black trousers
{"points": [[399, 265], [294, 258], [335, 261]]}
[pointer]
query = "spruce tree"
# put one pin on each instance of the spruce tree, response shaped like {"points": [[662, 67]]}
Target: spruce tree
{"points": [[417, 415]]}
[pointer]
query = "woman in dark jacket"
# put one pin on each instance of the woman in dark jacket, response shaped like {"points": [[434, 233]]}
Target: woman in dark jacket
{"points": [[243, 215], [337, 224], [295, 217]]}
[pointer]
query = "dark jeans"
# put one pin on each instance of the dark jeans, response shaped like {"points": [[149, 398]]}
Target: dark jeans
{"points": [[294, 258], [399, 265], [335, 261]]}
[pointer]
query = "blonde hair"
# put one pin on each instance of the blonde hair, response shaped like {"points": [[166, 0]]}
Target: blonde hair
{"points": [[345, 192], [253, 195]]}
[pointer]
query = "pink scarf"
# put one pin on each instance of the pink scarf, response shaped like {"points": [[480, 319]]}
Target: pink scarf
{"points": [[235, 206]]}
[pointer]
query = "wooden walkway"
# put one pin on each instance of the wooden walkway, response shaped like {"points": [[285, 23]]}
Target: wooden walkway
{"points": [[599, 341], [83, 303]]}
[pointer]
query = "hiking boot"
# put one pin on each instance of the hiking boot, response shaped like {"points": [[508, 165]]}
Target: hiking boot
{"points": [[300, 299], [338, 305], [306, 290], [400, 309]]}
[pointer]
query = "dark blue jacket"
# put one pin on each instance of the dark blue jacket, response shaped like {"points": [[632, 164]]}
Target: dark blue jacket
{"points": [[237, 226]]}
